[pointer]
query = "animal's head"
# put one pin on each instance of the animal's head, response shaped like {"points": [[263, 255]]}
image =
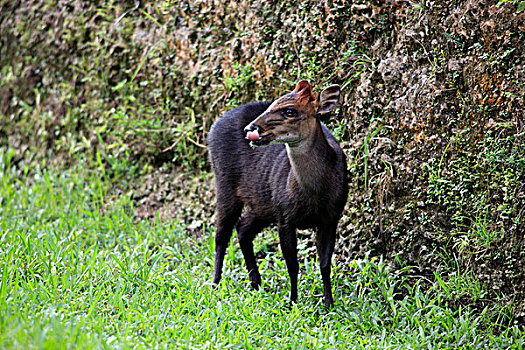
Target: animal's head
{"points": [[292, 117]]}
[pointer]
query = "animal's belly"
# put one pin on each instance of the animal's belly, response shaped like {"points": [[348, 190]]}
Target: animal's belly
{"points": [[309, 219]]}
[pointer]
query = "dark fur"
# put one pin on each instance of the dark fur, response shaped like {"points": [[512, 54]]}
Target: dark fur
{"points": [[260, 181]]}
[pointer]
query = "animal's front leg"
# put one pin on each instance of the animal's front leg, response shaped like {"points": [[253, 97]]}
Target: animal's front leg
{"points": [[325, 241]]}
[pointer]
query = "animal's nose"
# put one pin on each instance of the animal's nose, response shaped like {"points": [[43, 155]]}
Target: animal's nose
{"points": [[250, 127]]}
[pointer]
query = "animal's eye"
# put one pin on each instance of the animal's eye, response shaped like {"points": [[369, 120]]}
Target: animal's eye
{"points": [[289, 113]]}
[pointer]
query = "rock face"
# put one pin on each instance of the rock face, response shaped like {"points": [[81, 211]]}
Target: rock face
{"points": [[432, 119], [440, 121]]}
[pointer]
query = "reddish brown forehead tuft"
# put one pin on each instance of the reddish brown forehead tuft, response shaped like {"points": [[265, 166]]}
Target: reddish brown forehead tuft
{"points": [[304, 93], [302, 85], [301, 98]]}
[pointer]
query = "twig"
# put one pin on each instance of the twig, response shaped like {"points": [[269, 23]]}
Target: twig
{"points": [[196, 143], [154, 130], [175, 143]]}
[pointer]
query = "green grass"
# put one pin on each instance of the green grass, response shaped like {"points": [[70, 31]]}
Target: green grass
{"points": [[78, 271]]}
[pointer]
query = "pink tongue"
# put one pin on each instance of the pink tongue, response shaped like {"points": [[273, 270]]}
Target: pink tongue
{"points": [[253, 135]]}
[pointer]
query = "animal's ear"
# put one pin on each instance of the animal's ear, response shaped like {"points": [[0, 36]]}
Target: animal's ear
{"points": [[328, 99]]}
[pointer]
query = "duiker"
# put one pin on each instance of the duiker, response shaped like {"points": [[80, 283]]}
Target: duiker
{"points": [[276, 163]]}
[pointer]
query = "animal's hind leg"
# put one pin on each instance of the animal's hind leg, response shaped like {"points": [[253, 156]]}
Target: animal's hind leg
{"points": [[247, 228], [227, 216]]}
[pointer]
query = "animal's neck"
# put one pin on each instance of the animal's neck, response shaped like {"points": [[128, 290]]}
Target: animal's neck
{"points": [[310, 161]]}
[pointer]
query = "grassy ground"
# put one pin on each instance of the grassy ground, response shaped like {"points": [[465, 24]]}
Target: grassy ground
{"points": [[78, 271]]}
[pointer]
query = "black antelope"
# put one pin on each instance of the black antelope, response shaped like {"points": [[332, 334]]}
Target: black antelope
{"points": [[298, 180]]}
